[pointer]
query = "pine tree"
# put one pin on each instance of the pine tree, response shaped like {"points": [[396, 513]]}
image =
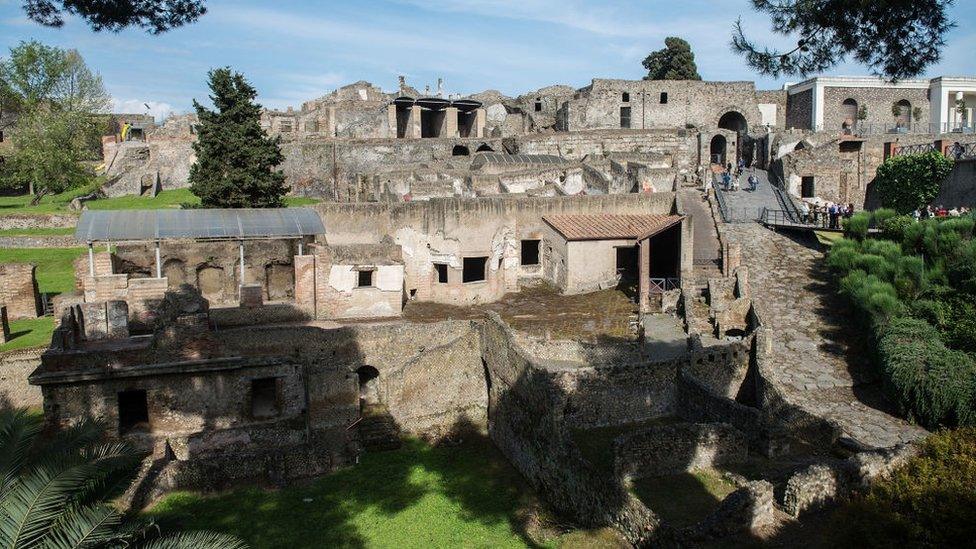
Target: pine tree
{"points": [[235, 159], [675, 62]]}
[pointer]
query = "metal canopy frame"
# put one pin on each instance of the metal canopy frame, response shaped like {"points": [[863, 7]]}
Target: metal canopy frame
{"points": [[204, 225]]}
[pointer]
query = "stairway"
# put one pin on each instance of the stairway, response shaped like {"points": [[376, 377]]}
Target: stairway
{"points": [[746, 205], [378, 432]]}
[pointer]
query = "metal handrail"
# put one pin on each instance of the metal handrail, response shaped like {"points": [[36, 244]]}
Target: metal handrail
{"points": [[723, 208], [782, 217], [661, 285]]}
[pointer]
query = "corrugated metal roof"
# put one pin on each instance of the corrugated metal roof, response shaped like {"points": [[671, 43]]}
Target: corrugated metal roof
{"points": [[610, 226], [197, 224]]}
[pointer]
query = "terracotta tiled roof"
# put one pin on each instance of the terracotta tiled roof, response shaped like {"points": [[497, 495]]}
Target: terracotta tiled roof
{"points": [[610, 226]]}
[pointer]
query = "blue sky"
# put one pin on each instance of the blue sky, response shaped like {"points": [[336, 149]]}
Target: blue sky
{"points": [[295, 50]]}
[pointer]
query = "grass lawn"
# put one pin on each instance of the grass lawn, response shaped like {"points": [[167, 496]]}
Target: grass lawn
{"points": [[55, 266], [827, 238], [417, 496], [58, 203], [31, 332]]}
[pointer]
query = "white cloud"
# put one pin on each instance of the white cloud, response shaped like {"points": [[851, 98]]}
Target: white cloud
{"points": [[158, 109]]}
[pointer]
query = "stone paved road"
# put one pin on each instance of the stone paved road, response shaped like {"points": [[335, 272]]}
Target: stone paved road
{"points": [[820, 360]]}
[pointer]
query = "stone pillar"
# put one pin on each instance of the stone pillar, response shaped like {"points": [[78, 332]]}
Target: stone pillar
{"points": [[687, 267], [117, 319], [731, 257], [330, 122], [450, 126], [413, 123], [4, 325], [480, 121], [391, 120], [644, 275], [305, 283]]}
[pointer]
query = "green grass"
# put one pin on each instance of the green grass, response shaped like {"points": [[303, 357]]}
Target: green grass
{"points": [[38, 231], [31, 332], [418, 496], [55, 266], [167, 199], [827, 238]]}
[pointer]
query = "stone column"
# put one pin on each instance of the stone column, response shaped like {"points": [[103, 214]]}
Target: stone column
{"points": [[391, 119], [479, 122], [644, 275], [450, 126], [305, 283], [413, 123]]}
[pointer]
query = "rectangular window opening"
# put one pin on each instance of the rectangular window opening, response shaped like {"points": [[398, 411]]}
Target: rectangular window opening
{"points": [[473, 269], [365, 278], [626, 97], [807, 189], [441, 269], [664, 97], [538, 106], [530, 252], [624, 117], [264, 397], [133, 411], [285, 126]]}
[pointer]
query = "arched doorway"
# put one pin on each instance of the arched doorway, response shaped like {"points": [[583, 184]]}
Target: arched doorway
{"points": [[460, 150], [369, 387], [848, 113], [903, 113], [716, 150], [736, 122]]}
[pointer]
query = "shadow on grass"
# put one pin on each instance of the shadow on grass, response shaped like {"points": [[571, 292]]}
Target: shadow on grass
{"points": [[419, 495]]}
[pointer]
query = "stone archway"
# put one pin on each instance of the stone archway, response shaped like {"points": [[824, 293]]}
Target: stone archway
{"points": [[210, 282], [175, 273], [485, 147], [735, 121], [460, 150], [848, 113], [369, 387], [717, 150]]}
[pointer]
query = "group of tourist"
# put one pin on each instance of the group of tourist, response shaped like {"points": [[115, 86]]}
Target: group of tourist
{"points": [[826, 215], [731, 175], [930, 211]]}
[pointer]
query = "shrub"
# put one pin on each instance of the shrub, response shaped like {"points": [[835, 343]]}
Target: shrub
{"points": [[931, 311], [929, 382], [857, 225], [895, 228], [841, 259], [876, 265], [929, 502], [879, 216], [907, 182]]}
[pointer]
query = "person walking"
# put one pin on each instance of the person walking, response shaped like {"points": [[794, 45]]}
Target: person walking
{"points": [[726, 179], [753, 182]]}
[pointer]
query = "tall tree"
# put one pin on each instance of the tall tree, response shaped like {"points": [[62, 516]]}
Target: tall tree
{"points": [[895, 38], [56, 491], [55, 103], [235, 159], [155, 16], [675, 62]]}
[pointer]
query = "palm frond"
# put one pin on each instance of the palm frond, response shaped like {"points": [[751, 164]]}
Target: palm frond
{"points": [[18, 431], [83, 527], [72, 440], [195, 540]]}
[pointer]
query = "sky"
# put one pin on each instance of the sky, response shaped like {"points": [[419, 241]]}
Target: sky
{"points": [[297, 50]]}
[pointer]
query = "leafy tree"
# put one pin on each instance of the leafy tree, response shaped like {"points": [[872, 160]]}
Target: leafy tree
{"points": [[235, 159], [55, 101], [156, 16], [675, 62], [55, 491], [896, 38], [911, 181]]}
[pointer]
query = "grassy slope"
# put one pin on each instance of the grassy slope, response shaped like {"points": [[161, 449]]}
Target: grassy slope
{"points": [[55, 268], [418, 496], [32, 332], [59, 203], [38, 231]]}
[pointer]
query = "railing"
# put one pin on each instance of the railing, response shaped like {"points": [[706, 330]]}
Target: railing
{"points": [[783, 196], [920, 148], [661, 285], [813, 220], [967, 151]]}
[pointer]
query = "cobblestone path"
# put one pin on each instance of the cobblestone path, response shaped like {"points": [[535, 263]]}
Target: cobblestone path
{"points": [[819, 355]]}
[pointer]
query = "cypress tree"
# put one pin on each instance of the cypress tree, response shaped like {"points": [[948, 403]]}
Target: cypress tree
{"points": [[675, 62], [235, 159]]}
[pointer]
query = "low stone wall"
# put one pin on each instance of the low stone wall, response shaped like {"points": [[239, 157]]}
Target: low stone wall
{"points": [[37, 221], [270, 313], [671, 449], [55, 241], [18, 290], [750, 508], [15, 391], [823, 483]]}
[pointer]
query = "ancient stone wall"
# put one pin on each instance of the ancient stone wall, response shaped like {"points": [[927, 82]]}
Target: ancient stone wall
{"points": [[677, 448], [799, 110], [15, 367], [18, 290], [879, 103], [447, 231], [659, 104]]}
